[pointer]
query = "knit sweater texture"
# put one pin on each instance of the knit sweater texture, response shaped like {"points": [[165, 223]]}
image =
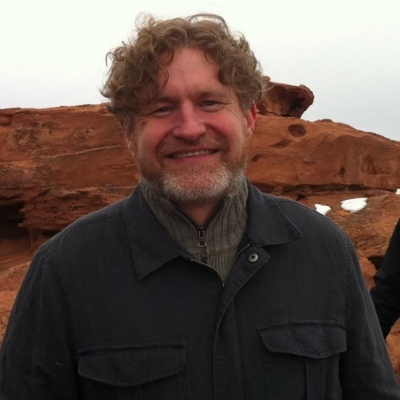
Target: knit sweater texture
{"points": [[216, 243]]}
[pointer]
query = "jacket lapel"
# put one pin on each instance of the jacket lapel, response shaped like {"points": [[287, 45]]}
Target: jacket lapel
{"points": [[150, 243]]}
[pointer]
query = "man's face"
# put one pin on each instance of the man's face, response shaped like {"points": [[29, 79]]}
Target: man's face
{"points": [[190, 143]]}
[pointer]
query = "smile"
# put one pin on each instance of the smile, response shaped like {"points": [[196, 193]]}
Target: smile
{"points": [[193, 154]]}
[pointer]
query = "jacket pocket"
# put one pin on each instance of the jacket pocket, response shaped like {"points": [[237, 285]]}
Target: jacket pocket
{"points": [[302, 359], [140, 372]]}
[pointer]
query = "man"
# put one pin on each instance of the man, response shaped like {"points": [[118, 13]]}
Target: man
{"points": [[197, 286], [386, 292]]}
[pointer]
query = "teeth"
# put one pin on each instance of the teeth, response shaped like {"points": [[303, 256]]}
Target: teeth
{"points": [[192, 154]]}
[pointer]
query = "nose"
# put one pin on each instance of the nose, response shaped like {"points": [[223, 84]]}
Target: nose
{"points": [[190, 123]]}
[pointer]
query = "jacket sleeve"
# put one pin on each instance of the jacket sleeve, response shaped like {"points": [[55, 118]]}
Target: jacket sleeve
{"points": [[366, 371], [37, 360], [386, 293]]}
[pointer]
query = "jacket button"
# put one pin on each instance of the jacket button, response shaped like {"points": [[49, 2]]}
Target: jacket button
{"points": [[253, 257]]}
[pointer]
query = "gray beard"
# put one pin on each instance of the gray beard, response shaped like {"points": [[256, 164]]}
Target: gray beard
{"points": [[220, 185]]}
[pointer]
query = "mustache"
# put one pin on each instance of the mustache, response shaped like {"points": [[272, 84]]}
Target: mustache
{"points": [[181, 145]]}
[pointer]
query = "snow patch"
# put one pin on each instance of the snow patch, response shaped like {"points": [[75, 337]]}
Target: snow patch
{"points": [[322, 209], [354, 205]]}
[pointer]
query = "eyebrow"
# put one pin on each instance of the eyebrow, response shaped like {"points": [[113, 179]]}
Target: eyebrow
{"points": [[199, 94]]}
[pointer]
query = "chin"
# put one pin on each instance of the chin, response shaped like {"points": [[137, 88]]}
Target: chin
{"points": [[202, 188]]}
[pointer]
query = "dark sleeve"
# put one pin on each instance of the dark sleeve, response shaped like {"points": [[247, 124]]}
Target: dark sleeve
{"points": [[386, 293], [366, 371], [37, 361]]}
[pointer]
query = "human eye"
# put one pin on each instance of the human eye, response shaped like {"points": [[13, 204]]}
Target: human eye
{"points": [[161, 111], [210, 105]]}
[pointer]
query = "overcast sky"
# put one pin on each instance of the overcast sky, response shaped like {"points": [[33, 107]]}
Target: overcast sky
{"points": [[347, 52]]}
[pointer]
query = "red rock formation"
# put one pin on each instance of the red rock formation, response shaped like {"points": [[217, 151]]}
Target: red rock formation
{"points": [[297, 156], [285, 100], [60, 163]]}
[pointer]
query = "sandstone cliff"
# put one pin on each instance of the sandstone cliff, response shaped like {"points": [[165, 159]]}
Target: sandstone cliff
{"points": [[60, 163]]}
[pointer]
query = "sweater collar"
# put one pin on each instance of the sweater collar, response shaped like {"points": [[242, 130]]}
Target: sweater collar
{"points": [[214, 244], [225, 228], [153, 247]]}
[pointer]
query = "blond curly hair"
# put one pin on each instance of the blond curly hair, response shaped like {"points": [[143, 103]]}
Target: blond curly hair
{"points": [[133, 83]]}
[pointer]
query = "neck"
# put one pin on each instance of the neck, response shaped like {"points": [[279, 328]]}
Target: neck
{"points": [[199, 214], [199, 211]]}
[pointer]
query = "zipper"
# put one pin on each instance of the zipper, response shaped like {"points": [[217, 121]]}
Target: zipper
{"points": [[202, 243]]}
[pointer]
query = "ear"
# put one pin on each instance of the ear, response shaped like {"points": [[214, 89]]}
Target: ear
{"points": [[128, 137], [251, 116]]}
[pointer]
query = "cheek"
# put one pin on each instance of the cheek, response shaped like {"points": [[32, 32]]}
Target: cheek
{"points": [[146, 146], [238, 133]]}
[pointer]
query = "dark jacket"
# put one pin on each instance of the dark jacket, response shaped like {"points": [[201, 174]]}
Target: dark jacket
{"points": [[113, 309], [386, 293]]}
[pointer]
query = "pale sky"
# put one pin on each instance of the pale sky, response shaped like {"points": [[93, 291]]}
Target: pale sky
{"points": [[347, 52]]}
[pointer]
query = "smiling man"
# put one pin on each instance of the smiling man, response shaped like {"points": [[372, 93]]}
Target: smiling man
{"points": [[190, 141], [197, 286]]}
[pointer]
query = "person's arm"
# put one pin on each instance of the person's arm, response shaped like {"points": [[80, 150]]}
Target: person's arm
{"points": [[386, 292], [366, 372], [37, 361]]}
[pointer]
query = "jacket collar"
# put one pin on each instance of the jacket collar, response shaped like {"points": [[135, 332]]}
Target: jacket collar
{"points": [[152, 247], [150, 243], [267, 223]]}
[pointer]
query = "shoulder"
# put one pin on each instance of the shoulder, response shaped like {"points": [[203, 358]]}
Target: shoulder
{"points": [[306, 220], [93, 221], [298, 211], [86, 233]]}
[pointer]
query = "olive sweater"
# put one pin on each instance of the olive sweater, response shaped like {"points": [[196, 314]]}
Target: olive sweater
{"points": [[214, 244]]}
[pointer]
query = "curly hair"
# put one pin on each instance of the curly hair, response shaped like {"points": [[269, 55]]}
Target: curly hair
{"points": [[133, 83]]}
